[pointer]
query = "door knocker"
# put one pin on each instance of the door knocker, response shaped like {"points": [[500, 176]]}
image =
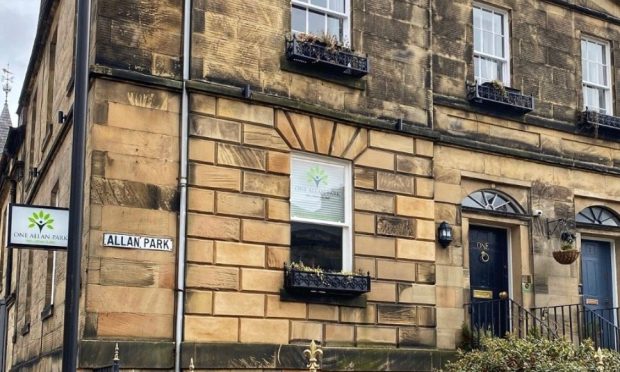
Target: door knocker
{"points": [[484, 257]]}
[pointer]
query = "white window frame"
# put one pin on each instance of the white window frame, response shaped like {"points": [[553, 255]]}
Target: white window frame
{"points": [[347, 235], [608, 89], [506, 60], [346, 16]]}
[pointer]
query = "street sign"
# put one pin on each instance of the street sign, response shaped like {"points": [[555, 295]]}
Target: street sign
{"points": [[38, 227], [137, 242]]}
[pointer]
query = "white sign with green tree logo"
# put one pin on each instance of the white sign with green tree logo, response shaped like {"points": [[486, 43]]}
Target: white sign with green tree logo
{"points": [[38, 227], [317, 191]]}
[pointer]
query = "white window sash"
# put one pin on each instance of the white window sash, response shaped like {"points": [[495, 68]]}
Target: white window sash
{"points": [[505, 61], [347, 235], [345, 17], [609, 109]]}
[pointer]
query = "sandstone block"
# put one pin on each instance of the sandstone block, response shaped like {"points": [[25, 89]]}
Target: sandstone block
{"points": [[306, 331], [278, 162], [242, 111], [262, 280], [202, 104], [278, 256], [423, 147], [323, 130], [212, 277], [271, 331], [426, 273], [266, 232], [415, 250], [414, 165], [375, 335], [236, 303], [365, 178], [200, 251], [199, 302], [395, 226], [417, 337], [425, 229], [359, 315], [374, 202], [375, 246], [365, 223], [342, 138], [398, 183], [397, 314], [415, 207], [337, 334], [134, 325], [281, 309], [240, 205], [365, 265], [239, 156], [211, 329], [201, 150], [396, 270], [382, 291], [323, 312], [200, 200], [213, 227], [392, 142], [266, 184], [231, 253], [263, 137], [278, 210], [208, 127], [376, 159], [424, 187], [214, 177], [416, 294]]}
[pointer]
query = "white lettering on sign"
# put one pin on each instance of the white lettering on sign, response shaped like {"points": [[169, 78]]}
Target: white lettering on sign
{"points": [[137, 242]]}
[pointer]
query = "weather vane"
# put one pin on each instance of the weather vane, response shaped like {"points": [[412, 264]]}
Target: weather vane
{"points": [[7, 80]]}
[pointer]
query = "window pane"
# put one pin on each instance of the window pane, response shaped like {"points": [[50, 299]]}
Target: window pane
{"points": [[317, 190], [602, 102], [322, 3], [487, 20], [595, 52], [487, 43], [477, 40], [317, 245], [499, 46], [316, 23], [298, 19], [477, 16], [334, 27], [602, 78], [477, 70], [498, 24], [336, 5]]}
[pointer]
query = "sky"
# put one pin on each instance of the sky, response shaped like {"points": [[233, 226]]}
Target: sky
{"points": [[18, 25]]}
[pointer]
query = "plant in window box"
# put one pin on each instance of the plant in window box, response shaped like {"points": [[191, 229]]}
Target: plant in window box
{"points": [[567, 254], [495, 94], [325, 52], [300, 278]]}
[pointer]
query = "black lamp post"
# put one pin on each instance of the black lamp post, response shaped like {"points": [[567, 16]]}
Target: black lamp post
{"points": [[444, 234]]}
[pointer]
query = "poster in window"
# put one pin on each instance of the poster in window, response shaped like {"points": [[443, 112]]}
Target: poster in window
{"points": [[317, 191]]}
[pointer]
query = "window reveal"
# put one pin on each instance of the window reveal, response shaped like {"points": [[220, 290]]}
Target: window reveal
{"points": [[491, 47], [595, 71]]}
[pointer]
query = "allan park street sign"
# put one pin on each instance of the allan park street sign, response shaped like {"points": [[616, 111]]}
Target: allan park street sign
{"points": [[38, 227]]}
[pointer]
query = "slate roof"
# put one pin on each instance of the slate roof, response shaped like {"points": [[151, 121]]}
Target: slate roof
{"points": [[5, 125]]}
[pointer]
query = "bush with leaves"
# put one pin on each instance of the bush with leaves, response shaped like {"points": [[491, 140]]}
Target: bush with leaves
{"points": [[533, 354]]}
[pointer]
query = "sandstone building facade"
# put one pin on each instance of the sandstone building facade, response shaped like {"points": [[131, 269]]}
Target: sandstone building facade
{"points": [[496, 117]]}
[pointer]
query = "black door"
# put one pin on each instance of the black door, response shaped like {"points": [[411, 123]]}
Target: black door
{"points": [[488, 272]]}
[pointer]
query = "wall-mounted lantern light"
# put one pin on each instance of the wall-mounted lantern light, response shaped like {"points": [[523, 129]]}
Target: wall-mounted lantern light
{"points": [[444, 234]]}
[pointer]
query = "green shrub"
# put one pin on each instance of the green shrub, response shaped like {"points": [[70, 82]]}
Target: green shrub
{"points": [[533, 354]]}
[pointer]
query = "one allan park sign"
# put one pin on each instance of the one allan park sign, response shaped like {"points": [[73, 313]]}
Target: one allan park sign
{"points": [[38, 227]]}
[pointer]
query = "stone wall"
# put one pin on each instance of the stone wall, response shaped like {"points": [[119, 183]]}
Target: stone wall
{"points": [[239, 234], [545, 49]]}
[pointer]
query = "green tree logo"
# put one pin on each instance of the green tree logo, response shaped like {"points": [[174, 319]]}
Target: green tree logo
{"points": [[41, 220], [317, 176]]}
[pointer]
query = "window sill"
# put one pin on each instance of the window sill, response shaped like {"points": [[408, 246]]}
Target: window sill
{"points": [[359, 301], [47, 312], [307, 70], [25, 329]]}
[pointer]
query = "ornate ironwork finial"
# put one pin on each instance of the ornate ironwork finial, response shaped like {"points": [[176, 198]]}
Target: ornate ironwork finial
{"points": [[191, 364], [116, 357], [7, 80], [600, 366], [313, 354]]}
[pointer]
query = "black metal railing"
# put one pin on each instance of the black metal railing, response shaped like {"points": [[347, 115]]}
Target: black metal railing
{"points": [[116, 363], [301, 281], [500, 96], [500, 317], [578, 322], [590, 120], [335, 60]]}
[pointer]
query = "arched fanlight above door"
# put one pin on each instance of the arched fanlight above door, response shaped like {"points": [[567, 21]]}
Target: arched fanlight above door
{"points": [[597, 215], [492, 200]]}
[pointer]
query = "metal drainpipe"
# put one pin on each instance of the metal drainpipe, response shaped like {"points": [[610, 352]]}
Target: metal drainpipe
{"points": [[182, 237]]}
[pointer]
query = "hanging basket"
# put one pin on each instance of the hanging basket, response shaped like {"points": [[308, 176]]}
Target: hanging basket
{"points": [[566, 257]]}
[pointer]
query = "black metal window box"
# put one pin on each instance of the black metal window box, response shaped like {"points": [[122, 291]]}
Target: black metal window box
{"points": [[333, 60], [310, 282], [593, 120], [494, 95]]}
